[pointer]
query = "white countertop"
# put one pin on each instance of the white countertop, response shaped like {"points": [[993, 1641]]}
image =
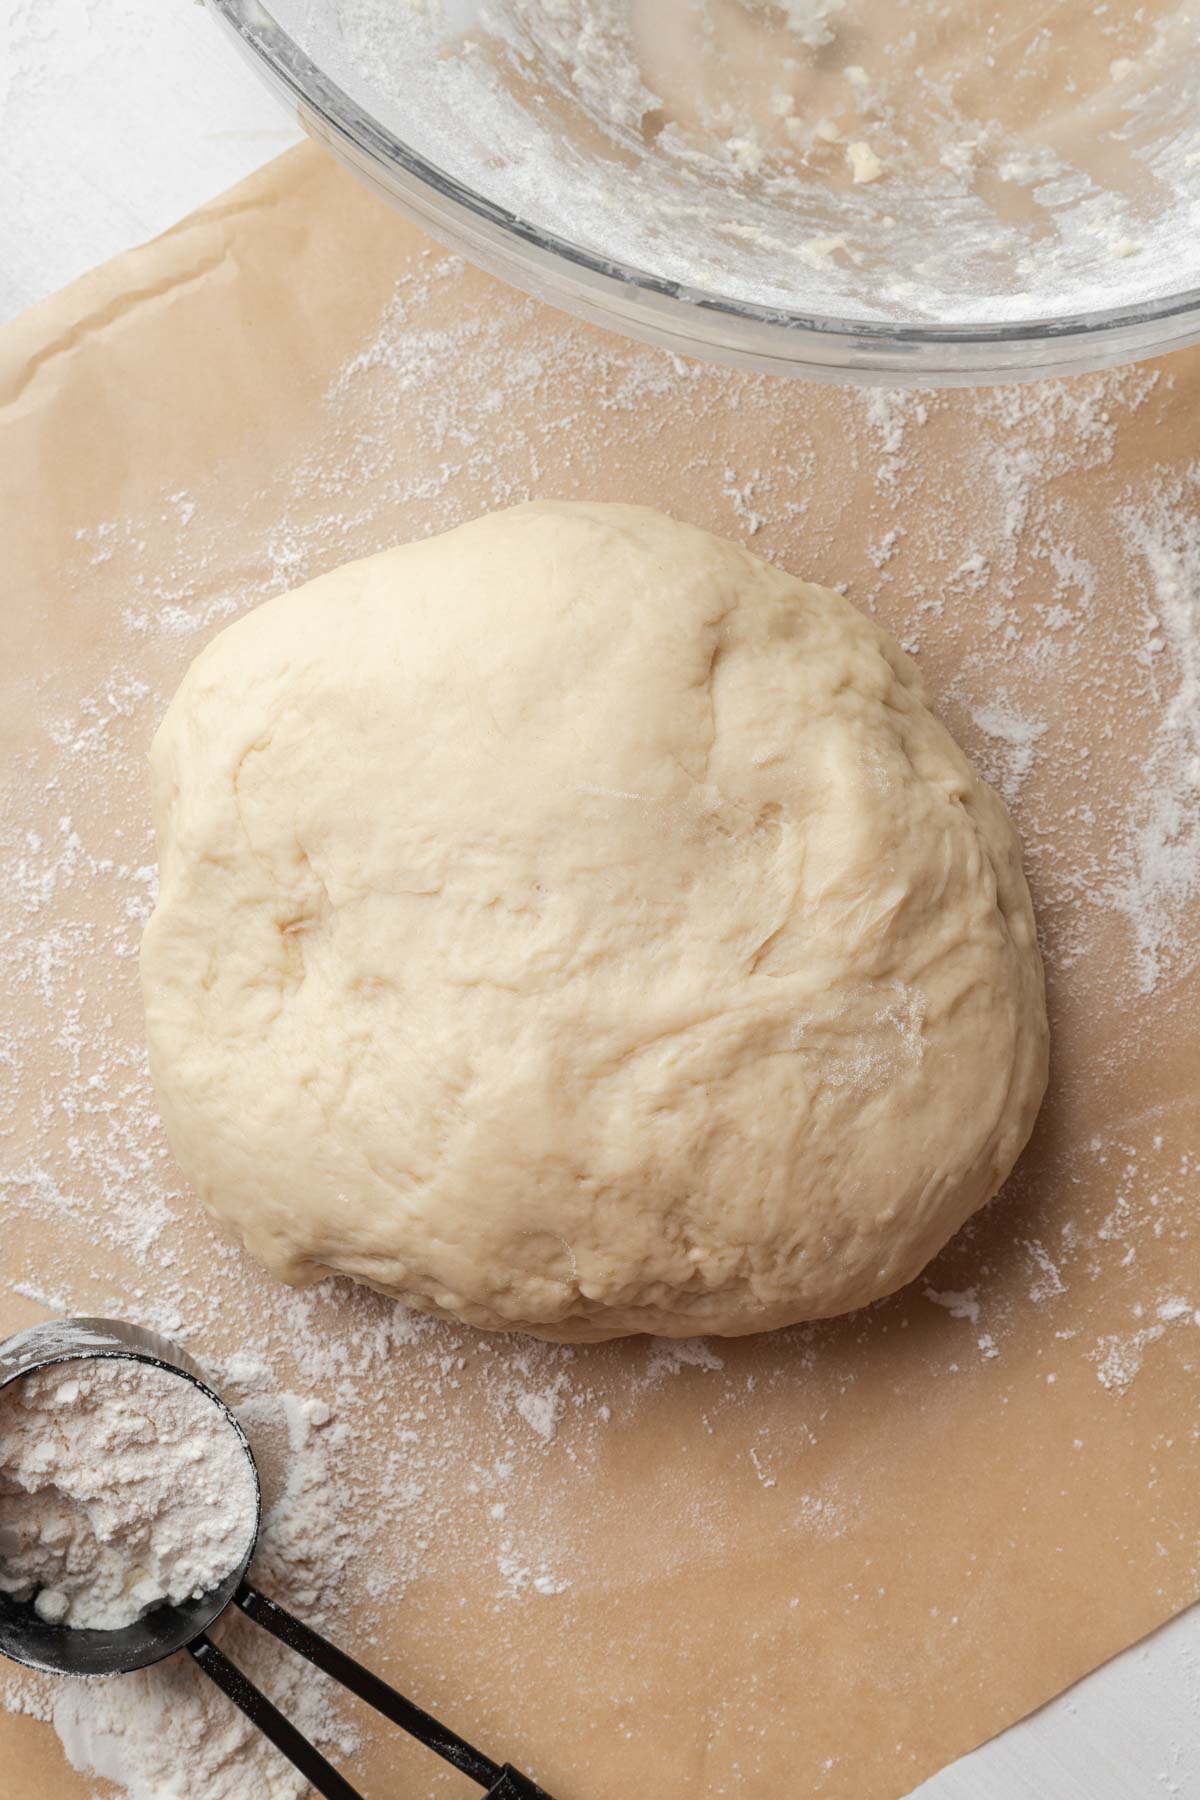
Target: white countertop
{"points": [[116, 118]]}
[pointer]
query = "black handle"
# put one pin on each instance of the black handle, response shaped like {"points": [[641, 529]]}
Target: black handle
{"points": [[502, 1783], [512, 1785], [271, 1722]]}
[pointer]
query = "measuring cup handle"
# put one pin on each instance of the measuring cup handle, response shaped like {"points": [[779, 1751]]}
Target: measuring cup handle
{"points": [[270, 1721], [386, 1700], [512, 1785]]}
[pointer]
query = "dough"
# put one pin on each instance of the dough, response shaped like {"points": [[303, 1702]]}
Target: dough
{"points": [[572, 924]]}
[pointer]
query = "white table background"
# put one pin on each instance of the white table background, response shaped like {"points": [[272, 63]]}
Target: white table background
{"points": [[116, 118]]}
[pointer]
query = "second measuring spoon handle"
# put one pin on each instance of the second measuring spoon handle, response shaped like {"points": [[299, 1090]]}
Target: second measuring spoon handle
{"points": [[512, 1785], [501, 1782], [321, 1775]]}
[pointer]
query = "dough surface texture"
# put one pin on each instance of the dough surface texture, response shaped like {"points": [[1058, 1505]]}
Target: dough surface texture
{"points": [[573, 924]]}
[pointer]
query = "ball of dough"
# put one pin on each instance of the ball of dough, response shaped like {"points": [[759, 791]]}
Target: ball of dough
{"points": [[572, 924]]}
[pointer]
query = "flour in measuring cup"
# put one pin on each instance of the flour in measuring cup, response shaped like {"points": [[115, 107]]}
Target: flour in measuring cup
{"points": [[121, 1486]]}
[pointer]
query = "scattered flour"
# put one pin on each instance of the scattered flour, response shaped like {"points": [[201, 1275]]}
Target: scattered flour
{"points": [[541, 1410], [1119, 1356], [1047, 1283], [1011, 743], [963, 1305], [1158, 879]]}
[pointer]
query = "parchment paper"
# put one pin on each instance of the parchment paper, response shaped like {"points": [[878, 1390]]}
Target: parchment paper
{"points": [[826, 1562]]}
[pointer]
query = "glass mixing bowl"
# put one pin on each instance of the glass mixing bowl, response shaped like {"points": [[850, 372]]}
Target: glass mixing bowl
{"points": [[879, 191]]}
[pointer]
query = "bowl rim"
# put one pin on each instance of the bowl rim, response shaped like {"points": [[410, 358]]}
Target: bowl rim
{"points": [[292, 68]]}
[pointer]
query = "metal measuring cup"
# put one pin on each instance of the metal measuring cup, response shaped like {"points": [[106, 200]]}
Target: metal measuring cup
{"points": [[68, 1650]]}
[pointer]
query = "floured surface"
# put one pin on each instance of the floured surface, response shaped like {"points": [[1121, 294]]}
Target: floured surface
{"points": [[827, 1560]]}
